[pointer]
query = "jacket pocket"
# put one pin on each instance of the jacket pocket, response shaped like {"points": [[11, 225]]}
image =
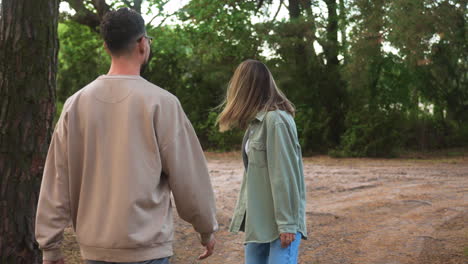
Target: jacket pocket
{"points": [[257, 154]]}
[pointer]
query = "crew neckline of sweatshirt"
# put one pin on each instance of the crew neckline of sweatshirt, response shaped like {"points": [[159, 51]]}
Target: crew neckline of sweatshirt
{"points": [[131, 77]]}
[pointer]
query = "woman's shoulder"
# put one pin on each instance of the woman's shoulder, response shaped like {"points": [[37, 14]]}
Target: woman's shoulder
{"points": [[278, 117]]}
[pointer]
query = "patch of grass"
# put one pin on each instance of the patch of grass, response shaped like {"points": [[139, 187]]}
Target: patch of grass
{"points": [[455, 153]]}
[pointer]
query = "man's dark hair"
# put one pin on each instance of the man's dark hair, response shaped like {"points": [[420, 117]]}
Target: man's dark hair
{"points": [[121, 28]]}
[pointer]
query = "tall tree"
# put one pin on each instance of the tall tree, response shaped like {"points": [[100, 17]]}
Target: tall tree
{"points": [[28, 56], [364, 68], [314, 78], [343, 25], [334, 96], [432, 37]]}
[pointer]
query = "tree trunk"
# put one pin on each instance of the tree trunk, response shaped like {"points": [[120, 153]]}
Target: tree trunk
{"points": [[300, 52], [137, 5], [334, 97], [343, 24], [332, 46], [28, 66], [294, 9]]}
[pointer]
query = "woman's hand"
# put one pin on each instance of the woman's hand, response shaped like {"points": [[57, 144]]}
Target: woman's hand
{"points": [[287, 239]]}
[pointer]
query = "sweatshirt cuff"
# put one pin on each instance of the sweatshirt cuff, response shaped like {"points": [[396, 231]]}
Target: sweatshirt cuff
{"points": [[52, 255], [292, 229], [206, 237]]}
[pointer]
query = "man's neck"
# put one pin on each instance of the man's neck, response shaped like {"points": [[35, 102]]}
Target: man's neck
{"points": [[123, 67]]}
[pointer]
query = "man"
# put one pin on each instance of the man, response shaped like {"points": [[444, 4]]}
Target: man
{"points": [[120, 147]]}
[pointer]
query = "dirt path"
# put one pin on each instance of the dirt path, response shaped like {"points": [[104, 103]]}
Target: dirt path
{"points": [[358, 211]]}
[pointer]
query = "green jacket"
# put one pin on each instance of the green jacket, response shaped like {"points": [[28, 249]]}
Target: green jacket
{"points": [[272, 198]]}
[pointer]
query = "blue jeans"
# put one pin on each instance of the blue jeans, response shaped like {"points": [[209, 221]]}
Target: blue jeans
{"points": [[154, 261], [272, 253]]}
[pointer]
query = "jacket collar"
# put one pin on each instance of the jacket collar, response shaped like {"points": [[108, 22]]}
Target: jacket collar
{"points": [[260, 116]]}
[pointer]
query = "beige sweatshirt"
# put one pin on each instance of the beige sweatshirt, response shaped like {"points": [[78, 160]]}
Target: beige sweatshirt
{"points": [[120, 147]]}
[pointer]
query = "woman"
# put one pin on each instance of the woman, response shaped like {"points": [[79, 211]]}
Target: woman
{"points": [[271, 205]]}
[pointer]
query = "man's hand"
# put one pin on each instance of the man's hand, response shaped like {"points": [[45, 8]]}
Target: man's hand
{"points": [[60, 261], [287, 239], [209, 248]]}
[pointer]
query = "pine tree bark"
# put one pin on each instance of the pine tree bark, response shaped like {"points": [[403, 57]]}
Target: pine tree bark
{"points": [[28, 67]]}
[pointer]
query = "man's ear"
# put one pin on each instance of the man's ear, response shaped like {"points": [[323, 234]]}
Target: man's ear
{"points": [[141, 46]]}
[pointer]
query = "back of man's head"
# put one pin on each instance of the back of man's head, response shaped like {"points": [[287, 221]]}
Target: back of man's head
{"points": [[121, 29]]}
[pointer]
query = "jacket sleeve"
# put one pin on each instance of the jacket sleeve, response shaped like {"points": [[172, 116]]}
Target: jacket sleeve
{"points": [[53, 212], [183, 161], [282, 170]]}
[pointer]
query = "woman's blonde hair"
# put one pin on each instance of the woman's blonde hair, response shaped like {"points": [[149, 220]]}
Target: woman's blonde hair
{"points": [[251, 89]]}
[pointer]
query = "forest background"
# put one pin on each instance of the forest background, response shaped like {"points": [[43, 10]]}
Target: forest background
{"points": [[368, 78]]}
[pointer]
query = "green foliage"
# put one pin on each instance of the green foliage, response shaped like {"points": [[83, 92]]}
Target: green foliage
{"points": [[374, 102], [58, 110], [82, 58], [311, 129], [216, 140], [427, 133], [195, 60], [371, 134]]}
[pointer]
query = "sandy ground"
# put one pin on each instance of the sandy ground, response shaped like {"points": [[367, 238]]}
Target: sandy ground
{"points": [[358, 211]]}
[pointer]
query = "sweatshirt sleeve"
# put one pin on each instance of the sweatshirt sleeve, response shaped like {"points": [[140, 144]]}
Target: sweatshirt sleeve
{"points": [[53, 212], [183, 161], [281, 157]]}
